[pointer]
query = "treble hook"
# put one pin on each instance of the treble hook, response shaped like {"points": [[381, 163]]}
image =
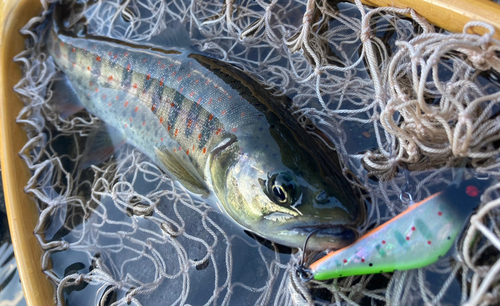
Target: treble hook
{"points": [[303, 272], [405, 195]]}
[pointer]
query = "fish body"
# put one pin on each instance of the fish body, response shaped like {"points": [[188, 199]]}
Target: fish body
{"points": [[218, 132], [417, 237]]}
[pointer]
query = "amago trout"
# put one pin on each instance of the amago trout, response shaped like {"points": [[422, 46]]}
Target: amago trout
{"points": [[219, 133]]}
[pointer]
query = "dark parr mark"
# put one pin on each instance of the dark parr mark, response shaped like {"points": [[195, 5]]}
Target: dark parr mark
{"points": [[173, 115]]}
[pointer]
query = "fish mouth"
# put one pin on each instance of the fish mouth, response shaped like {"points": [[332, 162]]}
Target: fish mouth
{"points": [[336, 232]]}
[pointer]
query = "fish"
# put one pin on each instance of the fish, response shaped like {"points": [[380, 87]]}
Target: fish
{"points": [[415, 238], [214, 129]]}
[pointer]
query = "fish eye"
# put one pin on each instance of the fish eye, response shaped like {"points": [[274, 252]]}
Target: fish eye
{"points": [[280, 194], [282, 188]]}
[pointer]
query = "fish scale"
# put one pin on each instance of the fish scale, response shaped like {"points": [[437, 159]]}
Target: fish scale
{"points": [[187, 99]]}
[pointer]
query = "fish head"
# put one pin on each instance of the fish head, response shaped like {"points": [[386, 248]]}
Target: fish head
{"points": [[286, 200]]}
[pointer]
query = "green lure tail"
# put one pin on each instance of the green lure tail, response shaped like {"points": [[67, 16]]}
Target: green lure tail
{"points": [[415, 238]]}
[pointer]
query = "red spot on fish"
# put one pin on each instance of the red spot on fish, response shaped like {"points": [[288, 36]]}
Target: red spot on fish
{"points": [[199, 137], [179, 79], [218, 131], [144, 60], [210, 101], [117, 97], [196, 81], [170, 66], [199, 100], [126, 54], [97, 89], [116, 56], [180, 90], [73, 64], [109, 53], [174, 73], [216, 86], [159, 62], [204, 150], [161, 139], [175, 150], [210, 117], [429, 242], [234, 130], [136, 109], [223, 112], [126, 125], [88, 68], [189, 74], [73, 50], [208, 81], [98, 58], [440, 213], [110, 78], [161, 120], [126, 103], [407, 237], [383, 241], [180, 148], [143, 123], [153, 108], [187, 152], [345, 260], [191, 94], [220, 98], [169, 126], [130, 119], [135, 85], [172, 104], [161, 82], [62, 44], [128, 67], [190, 122], [109, 103], [163, 66], [242, 114], [472, 191], [413, 228], [229, 97], [176, 131], [104, 96], [362, 260], [148, 76], [90, 83]]}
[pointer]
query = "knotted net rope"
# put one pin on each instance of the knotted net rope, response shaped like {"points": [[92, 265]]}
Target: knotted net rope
{"points": [[389, 90]]}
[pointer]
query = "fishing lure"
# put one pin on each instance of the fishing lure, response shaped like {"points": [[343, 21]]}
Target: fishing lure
{"points": [[415, 238]]}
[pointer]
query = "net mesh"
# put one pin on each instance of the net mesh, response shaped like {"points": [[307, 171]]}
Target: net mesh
{"points": [[389, 90]]}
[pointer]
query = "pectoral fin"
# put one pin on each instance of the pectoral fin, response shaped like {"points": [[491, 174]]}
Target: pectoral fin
{"points": [[188, 178]]}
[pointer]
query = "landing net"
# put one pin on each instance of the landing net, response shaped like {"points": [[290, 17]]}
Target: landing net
{"points": [[404, 104]]}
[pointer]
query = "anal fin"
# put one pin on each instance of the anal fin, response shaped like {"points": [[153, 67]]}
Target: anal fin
{"points": [[101, 144], [64, 98], [170, 164]]}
